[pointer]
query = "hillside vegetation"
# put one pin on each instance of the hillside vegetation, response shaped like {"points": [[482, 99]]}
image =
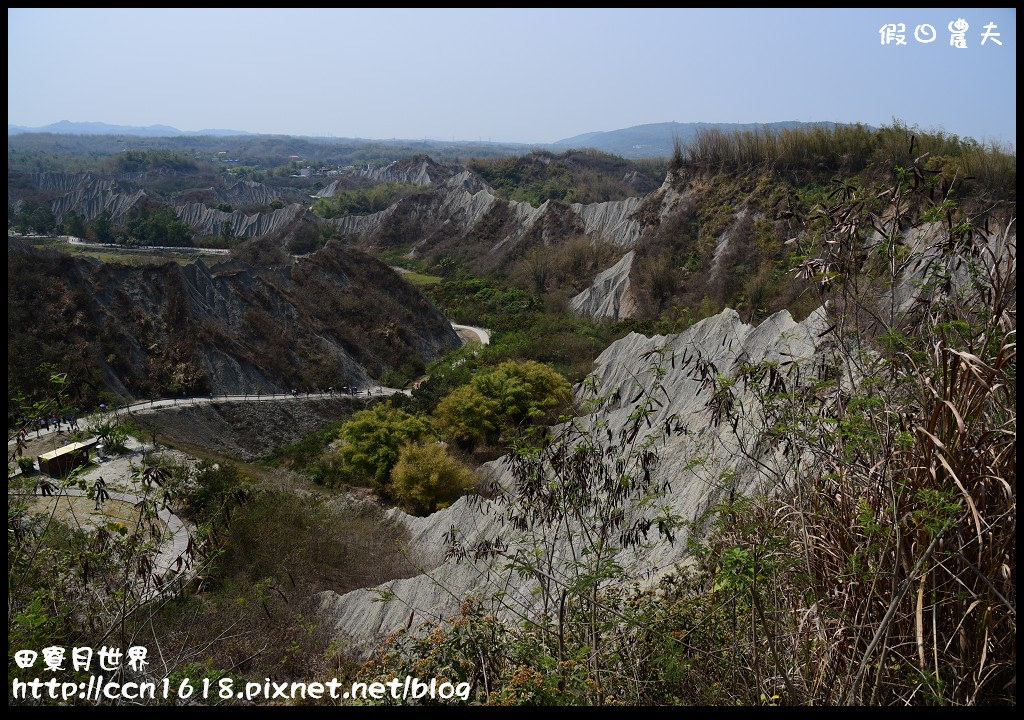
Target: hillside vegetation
{"points": [[362, 201], [805, 155], [336, 318], [807, 508], [576, 176], [728, 241], [872, 562]]}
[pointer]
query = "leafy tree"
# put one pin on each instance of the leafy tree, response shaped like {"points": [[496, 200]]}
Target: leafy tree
{"points": [[363, 201], [36, 217], [42, 219], [510, 396], [75, 224], [101, 228], [155, 226], [445, 375], [373, 438], [426, 478], [113, 436], [178, 233]]}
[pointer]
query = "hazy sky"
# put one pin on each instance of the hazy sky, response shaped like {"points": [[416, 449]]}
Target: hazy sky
{"points": [[529, 75]]}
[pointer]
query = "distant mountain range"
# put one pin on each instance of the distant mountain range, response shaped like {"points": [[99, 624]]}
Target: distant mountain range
{"points": [[655, 139], [651, 140], [66, 127]]}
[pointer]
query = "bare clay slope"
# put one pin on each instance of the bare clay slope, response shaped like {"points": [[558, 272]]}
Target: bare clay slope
{"points": [[723, 340], [462, 218], [248, 431], [336, 317]]}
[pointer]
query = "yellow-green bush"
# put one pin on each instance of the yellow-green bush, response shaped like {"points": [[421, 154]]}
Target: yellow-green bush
{"points": [[426, 478]]}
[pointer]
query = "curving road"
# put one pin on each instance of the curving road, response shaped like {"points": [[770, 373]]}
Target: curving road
{"points": [[181, 249], [484, 335], [144, 406], [173, 561]]}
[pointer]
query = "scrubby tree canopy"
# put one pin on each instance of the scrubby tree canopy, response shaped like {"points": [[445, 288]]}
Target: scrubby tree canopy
{"points": [[426, 478], [500, 399], [373, 438]]}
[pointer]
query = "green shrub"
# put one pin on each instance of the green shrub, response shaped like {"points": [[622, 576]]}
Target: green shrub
{"points": [[114, 437], [426, 478], [501, 400], [363, 201], [373, 438]]}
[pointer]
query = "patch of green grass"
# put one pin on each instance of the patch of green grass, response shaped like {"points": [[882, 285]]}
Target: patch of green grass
{"points": [[303, 452], [421, 279], [312, 457], [120, 256]]}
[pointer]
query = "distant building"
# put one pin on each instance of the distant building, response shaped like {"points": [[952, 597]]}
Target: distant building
{"points": [[306, 172]]}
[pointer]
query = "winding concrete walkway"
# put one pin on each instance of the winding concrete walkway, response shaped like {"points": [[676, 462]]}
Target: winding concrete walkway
{"points": [[171, 561], [144, 406]]}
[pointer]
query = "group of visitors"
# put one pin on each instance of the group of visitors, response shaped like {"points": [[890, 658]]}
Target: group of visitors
{"points": [[43, 423], [345, 390]]}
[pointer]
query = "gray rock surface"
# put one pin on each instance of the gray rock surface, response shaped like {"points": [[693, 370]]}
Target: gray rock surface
{"points": [[210, 221], [248, 430], [247, 192], [331, 190], [625, 222], [609, 295], [93, 195], [335, 317], [723, 340], [725, 239], [59, 181], [463, 209], [924, 243], [418, 170], [612, 221]]}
